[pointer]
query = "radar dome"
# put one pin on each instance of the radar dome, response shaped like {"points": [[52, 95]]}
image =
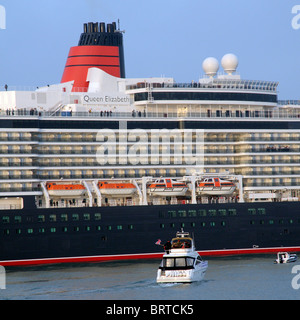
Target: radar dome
{"points": [[210, 66], [230, 63]]}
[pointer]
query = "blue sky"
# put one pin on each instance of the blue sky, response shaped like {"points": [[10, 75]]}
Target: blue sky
{"points": [[163, 37]]}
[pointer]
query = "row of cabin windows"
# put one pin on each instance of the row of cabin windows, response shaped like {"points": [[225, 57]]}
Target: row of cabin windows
{"points": [[194, 224], [223, 223], [66, 229], [207, 213], [53, 218]]}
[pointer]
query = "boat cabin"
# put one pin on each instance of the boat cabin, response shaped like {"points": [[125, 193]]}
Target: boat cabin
{"points": [[178, 243]]}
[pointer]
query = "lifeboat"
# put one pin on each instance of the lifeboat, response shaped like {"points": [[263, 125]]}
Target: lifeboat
{"points": [[167, 188], [215, 187], [65, 190], [117, 189]]}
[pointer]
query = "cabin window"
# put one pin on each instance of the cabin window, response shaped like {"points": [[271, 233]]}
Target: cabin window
{"points": [[76, 229], [29, 231], [52, 230], [5, 219], [212, 213], [119, 227], [41, 218], [222, 212], [172, 214], [212, 224], [180, 262], [182, 213], [6, 232], [192, 213], [202, 213], [190, 262], [232, 212], [168, 263], [52, 217], [18, 231], [18, 219], [261, 211], [130, 227], [252, 211], [97, 216], [98, 228], [86, 217], [223, 223], [75, 217], [64, 217]]}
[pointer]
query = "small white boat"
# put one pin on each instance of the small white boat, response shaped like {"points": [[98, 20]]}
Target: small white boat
{"points": [[167, 188], [215, 187], [181, 263], [285, 257], [65, 190], [116, 189]]}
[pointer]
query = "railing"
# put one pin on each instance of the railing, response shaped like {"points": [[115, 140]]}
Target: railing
{"points": [[255, 115], [217, 84]]}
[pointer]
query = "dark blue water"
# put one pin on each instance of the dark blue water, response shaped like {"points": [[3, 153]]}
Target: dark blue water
{"points": [[245, 278]]}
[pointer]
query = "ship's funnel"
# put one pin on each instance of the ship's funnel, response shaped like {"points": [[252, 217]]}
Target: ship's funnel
{"points": [[100, 46]]}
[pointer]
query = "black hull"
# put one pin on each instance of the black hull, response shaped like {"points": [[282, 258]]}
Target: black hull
{"points": [[110, 233]]}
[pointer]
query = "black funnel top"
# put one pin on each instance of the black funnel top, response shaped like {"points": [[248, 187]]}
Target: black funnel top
{"points": [[100, 34]]}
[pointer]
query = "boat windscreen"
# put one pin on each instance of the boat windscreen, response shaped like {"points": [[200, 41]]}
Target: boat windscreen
{"points": [[181, 262]]}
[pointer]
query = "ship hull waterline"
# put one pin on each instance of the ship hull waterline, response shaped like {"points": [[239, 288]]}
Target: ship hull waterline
{"points": [[131, 233]]}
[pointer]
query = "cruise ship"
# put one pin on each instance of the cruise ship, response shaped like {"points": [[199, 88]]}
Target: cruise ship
{"points": [[100, 166]]}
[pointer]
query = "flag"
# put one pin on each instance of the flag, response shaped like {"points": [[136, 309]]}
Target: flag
{"points": [[158, 242]]}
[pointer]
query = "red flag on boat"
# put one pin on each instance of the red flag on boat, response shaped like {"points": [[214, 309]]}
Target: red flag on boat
{"points": [[158, 242]]}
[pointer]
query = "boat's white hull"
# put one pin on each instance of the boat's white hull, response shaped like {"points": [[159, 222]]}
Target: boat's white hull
{"points": [[118, 192], [214, 191], [182, 276], [289, 260], [168, 192], [66, 193]]}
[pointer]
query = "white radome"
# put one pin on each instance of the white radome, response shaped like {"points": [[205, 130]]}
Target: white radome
{"points": [[230, 63], [210, 66]]}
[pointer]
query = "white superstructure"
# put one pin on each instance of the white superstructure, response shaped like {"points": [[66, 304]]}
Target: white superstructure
{"points": [[220, 125]]}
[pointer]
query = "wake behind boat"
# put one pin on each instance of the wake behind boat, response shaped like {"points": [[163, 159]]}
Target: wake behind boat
{"points": [[181, 263]]}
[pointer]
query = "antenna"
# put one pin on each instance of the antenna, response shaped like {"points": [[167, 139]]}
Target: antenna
{"points": [[119, 27]]}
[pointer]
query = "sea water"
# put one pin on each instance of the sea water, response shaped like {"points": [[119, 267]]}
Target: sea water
{"points": [[231, 278]]}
